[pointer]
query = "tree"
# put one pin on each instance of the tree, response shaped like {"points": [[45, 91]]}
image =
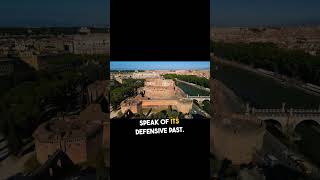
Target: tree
{"points": [[290, 62], [127, 89]]}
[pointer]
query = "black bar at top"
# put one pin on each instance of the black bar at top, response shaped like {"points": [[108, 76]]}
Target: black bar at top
{"points": [[160, 30]]}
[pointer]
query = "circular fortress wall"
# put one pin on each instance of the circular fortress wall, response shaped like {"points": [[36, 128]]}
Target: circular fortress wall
{"points": [[237, 140]]}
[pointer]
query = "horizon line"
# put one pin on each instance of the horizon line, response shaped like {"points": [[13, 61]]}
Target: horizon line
{"points": [[58, 26], [266, 26], [157, 69]]}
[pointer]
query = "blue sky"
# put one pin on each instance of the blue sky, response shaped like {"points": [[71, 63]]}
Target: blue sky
{"points": [[54, 12], [158, 65], [97, 12], [264, 12]]}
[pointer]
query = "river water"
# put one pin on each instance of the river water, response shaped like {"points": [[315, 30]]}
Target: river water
{"points": [[263, 92], [192, 91]]}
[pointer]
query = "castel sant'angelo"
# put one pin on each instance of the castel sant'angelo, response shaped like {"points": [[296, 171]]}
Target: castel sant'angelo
{"points": [[158, 93], [80, 136]]}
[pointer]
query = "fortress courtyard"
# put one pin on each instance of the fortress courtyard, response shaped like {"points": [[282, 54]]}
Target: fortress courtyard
{"points": [[158, 94]]}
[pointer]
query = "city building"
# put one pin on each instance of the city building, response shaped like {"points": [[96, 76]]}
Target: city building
{"points": [[6, 66], [305, 38], [85, 30], [98, 43], [145, 75]]}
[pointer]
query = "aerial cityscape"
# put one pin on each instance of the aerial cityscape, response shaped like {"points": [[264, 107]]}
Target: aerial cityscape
{"points": [[261, 90], [54, 102], [266, 93], [170, 89]]}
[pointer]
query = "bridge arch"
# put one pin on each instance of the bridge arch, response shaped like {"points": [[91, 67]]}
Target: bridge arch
{"points": [[306, 122], [206, 100], [269, 123], [196, 101]]}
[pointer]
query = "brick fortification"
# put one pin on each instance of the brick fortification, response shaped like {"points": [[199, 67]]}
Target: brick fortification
{"points": [[79, 136], [160, 88], [158, 93]]}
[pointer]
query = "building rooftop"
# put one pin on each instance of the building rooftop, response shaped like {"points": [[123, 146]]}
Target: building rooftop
{"points": [[77, 126], [130, 101], [65, 128]]}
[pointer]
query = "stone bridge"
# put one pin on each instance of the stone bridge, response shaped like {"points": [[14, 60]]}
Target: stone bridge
{"points": [[287, 118], [199, 98]]}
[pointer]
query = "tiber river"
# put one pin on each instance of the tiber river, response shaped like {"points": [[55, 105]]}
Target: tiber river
{"points": [[263, 92], [192, 91]]}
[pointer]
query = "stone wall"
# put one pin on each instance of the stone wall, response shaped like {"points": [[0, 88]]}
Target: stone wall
{"points": [[135, 106], [94, 144], [159, 88], [78, 149], [106, 133], [31, 60], [159, 92], [242, 144], [181, 106], [159, 82], [42, 151]]}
